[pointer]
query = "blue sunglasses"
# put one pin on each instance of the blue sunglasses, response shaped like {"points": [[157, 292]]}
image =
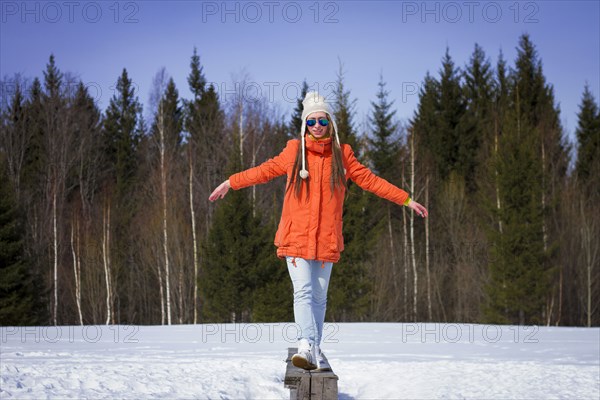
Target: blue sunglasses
{"points": [[313, 122]]}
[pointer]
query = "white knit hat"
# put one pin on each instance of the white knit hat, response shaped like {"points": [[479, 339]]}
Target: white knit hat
{"points": [[314, 102]]}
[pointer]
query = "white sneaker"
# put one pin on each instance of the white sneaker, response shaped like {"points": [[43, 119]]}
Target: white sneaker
{"points": [[305, 357], [322, 364]]}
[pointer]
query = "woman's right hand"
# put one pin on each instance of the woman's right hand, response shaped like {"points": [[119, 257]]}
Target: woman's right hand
{"points": [[220, 191], [418, 208]]}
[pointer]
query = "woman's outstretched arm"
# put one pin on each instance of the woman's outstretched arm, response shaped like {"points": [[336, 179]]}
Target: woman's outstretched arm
{"points": [[367, 180], [262, 173]]}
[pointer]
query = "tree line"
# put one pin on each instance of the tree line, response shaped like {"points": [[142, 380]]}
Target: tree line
{"points": [[104, 216]]}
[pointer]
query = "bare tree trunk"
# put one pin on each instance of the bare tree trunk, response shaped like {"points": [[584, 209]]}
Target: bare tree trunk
{"points": [[496, 174], [550, 306], [412, 229], [241, 133], [194, 239], [589, 295], [498, 205], [15, 141], [77, 270], [544, 228], [253, 164], [560, 294], [590, 250], [405, 248], [163, 185], [393, 253], [181, 313], [106, 259], [162, 295], [429, 311], [55, 251]]}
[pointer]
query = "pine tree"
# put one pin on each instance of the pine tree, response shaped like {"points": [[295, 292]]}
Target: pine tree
{"points": [[18, 297], [296, 122], [385, 156], [343, 113], [437, 131], [120, 138], [196, 78], [35, 156], [425, 122], [204, 122], [15, 137], [450, 142], [446, 147], [487, 180], [86, 124], [587, 167], [349, 296], [584, 276], [422, 163], [166, 134], [207, 157], [476, 124], [173, 118], [33, 184], [58, 145], [384, 144], [531, 165], [517, 283], [488, 200], [53, 79], [234, 244], [273, 294]]}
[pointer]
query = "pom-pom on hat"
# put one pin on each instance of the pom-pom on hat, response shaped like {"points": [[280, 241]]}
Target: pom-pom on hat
{"points": [[314, 102]]}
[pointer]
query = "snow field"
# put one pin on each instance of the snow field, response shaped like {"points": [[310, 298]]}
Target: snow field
{"points": [[247, 361]]}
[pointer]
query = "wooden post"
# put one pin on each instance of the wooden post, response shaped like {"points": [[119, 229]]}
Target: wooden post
{"points": [[309, 385]]}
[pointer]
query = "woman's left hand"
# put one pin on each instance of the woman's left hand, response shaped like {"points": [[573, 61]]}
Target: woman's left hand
{"points": [[220, 191], [418, 208]]}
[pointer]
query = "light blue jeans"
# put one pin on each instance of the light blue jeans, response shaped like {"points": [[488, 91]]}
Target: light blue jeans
{"points": [[310, 279]]}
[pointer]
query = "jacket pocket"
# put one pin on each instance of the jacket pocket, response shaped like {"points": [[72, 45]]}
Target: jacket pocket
{"points": [[337, 237], [283, 232]]}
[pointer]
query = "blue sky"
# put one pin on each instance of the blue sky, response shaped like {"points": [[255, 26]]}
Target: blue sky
{"points": [[278, 44]]}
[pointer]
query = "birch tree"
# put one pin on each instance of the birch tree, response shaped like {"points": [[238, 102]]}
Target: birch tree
{"points": [[120, 136]]}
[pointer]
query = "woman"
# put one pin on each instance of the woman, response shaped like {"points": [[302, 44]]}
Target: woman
{"points": [[309, 236]]}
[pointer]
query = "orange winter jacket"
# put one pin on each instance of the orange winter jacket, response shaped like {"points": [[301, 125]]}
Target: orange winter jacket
{"points": [[312, 228]]}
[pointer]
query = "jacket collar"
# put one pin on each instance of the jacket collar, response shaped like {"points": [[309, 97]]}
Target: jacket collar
{"points": [[319, 146]]}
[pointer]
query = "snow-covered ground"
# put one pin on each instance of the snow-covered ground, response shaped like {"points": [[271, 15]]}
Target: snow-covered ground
{"points": [[246, 361]]}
